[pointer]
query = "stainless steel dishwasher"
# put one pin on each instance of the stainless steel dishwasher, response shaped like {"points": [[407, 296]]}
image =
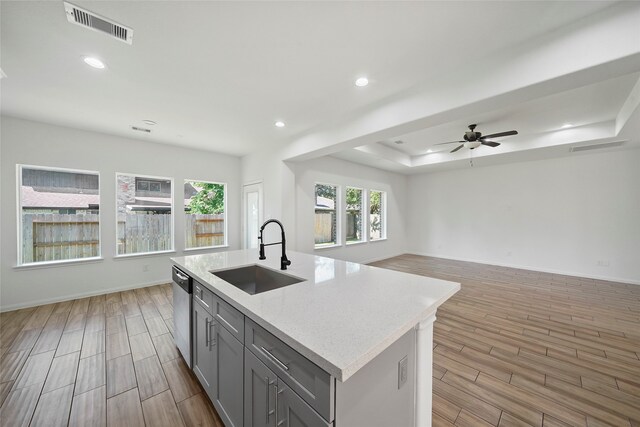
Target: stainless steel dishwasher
{"points": [[182, 289]]}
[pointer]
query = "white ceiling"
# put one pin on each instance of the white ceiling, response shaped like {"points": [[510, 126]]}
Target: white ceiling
{"points": [[216, 75]]}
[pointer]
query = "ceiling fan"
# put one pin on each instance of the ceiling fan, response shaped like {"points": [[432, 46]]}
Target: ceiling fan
{"points": [[473, 139]]}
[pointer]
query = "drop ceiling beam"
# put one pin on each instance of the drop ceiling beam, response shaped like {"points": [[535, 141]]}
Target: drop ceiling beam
{"points": [[599, 47]]}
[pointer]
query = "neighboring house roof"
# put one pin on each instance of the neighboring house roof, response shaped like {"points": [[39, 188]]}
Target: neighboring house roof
{"points": [[324, 203], [52, 200], [39, 199]]}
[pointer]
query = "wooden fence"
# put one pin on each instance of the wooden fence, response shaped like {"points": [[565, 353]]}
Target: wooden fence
{"points": [[51, 237], [204, 230], [325, 226], [139, 233]]}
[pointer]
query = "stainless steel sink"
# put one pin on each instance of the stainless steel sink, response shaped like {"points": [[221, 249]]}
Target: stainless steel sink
{"points": [[255, 279]]}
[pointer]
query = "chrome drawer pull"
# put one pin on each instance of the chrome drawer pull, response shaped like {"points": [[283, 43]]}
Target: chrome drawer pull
{"points": [[275, 359], [278, 423], [207, 332], [268, 384]]}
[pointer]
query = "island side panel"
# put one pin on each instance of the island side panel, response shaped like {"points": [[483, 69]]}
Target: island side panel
{"points": [[424, 372], [376, 395]]}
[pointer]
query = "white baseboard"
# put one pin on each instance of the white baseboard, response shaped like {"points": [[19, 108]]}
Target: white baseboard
{"points": [[534, 268], [79, 295]]}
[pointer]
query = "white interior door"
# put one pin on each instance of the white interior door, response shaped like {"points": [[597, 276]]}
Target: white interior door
{"points": [[252, 213]]}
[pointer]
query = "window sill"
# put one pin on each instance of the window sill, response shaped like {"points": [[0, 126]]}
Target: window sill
{"points": [[61, 263], [205, 248], [378, 240], [143, 254], [360, 242], [327, 247]]}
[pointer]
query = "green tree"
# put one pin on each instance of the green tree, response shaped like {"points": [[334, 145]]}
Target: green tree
{"points": [[375, 205], [374, 202], [208, 200], [354, 198], [328, 191]]}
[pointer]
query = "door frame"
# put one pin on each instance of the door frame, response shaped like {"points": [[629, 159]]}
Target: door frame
{"points": [[244, 208]]}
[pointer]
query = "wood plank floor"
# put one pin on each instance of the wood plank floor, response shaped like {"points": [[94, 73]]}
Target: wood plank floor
{"points": [[512, 348], [107, 360], [524, 348]]}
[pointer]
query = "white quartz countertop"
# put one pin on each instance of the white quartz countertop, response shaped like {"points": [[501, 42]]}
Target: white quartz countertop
{"points": [[340, 317]]}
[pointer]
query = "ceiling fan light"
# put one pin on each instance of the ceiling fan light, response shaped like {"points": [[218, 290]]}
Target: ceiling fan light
{"points": [[472, 144]]}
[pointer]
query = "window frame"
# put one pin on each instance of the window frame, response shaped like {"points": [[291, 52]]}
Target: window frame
{"points": [[383, 214], [226, 216], [364, 236], [173, 216], [19, 259], [338, 215]]}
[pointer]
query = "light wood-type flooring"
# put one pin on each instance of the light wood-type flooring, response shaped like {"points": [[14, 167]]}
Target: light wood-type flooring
{"points": [[512, 348], [108, 360], [524, 348]]}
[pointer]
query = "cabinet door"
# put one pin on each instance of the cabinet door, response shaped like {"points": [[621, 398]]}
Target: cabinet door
{"points": [[228, 366], [200, 347], [259, 393], [295, 412]]}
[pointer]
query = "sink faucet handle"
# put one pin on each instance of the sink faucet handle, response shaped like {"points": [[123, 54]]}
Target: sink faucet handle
{"points": [[284, 262]]}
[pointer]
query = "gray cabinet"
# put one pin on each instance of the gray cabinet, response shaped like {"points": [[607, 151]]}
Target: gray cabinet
{"points": [[295, 412], [218, 356], [259, 393], [228, 366], [201, 346], [269, 402]]}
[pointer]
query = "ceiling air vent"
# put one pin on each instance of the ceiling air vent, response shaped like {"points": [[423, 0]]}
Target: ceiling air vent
{"points": [[141, 129], [596, 146], [83, 17]]}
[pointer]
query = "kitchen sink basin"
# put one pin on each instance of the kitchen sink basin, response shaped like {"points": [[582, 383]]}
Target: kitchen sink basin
{"points": [[255, 279]]}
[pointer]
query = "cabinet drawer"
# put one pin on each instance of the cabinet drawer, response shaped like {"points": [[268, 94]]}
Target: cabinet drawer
{"points": [[308, 380], [228, 317], [203, 296]]}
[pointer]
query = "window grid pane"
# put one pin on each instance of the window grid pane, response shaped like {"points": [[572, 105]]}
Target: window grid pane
{"points": [[326, 221], [204, 205], [59, 214], [145, 219]]}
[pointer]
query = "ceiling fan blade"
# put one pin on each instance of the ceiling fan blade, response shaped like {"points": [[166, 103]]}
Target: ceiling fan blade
{"points": [[490, 143], [457, 148], [499, 134], [450, 142]]}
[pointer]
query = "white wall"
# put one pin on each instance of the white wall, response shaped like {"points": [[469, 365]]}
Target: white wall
{"points": [[278, 181], [560, 215], [33, 143], [343, 173]]}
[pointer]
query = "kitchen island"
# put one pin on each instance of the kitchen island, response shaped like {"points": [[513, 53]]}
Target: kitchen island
{"points": [[353, 341]]}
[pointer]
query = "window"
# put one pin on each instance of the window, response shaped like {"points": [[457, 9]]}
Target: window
{"points": [[205, 212], [326, 220], [144, 220], [377, 215], [355, 217], [59, 214]]}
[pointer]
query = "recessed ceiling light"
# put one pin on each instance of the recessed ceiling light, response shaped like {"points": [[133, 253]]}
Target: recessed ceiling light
{"points": [[567, 125], [149, 122], [279, 124], [362, 82], [93, 62]]}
